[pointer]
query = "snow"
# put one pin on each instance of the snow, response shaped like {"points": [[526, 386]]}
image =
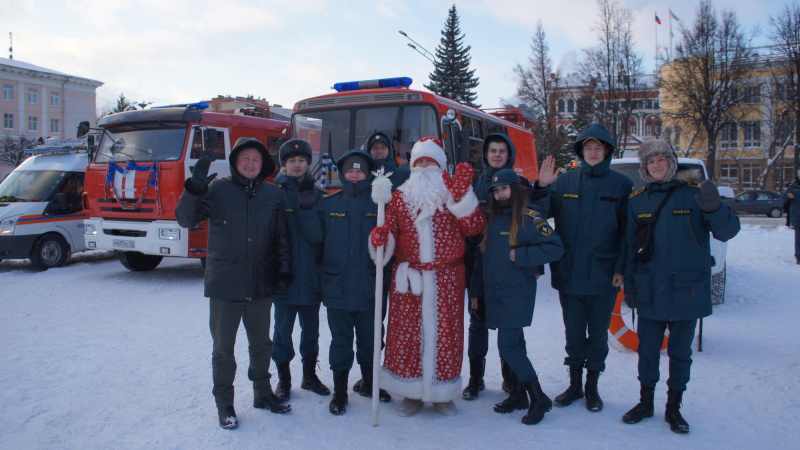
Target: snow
{"points": [[95, 356]]}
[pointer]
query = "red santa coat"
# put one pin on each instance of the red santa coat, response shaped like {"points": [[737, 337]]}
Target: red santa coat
{"points": [[425, 331]]}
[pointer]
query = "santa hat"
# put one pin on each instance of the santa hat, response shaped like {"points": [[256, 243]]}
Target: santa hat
{"points": [[429, 147]]}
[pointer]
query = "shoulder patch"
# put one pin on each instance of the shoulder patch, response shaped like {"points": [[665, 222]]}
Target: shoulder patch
{"points": [[331, 194], [693, 185], [531, 213], [544, 228], [637, 192]]}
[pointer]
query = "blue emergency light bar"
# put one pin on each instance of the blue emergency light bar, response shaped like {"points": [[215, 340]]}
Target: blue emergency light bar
{"points": [[198, 105], [373, 84]]}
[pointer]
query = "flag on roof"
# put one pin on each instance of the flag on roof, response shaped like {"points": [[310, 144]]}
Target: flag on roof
{"points": [[658, 21], [673, 15]]}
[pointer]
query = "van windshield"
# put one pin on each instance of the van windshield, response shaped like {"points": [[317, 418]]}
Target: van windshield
{"points": [[631, 170], [31, 185], [148, 141]]}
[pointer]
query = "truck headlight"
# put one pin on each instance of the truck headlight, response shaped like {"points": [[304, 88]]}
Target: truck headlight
{"points": [[171, 234], [89, 228], [7, 226]]}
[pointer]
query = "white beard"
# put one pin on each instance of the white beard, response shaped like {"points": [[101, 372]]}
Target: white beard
{"points": [[425, 192]]}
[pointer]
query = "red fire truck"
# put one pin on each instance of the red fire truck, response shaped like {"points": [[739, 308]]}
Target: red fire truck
{"points": [[338, 122], [136, 173]]}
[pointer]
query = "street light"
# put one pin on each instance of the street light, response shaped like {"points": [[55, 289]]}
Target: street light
{"points": [[419, 48]]}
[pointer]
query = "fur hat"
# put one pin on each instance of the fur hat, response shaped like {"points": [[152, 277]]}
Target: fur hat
{"points": [[429, 147], [655, 148], [503, 177], [294, 147]]}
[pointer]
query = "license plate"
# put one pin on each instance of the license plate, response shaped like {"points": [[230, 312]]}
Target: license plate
{"points": [[123, 243]]}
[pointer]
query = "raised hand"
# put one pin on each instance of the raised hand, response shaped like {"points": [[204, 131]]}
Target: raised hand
{"points": [[708, 199], [459, 186], [548, 172], [200, 177]]}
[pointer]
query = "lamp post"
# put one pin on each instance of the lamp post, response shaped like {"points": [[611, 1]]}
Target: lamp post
{"points": [[419, 48]]}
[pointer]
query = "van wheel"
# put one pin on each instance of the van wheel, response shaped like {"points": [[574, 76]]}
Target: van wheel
{"points": [[50, 250], [138, 261], [718, 286], [775, 213]]}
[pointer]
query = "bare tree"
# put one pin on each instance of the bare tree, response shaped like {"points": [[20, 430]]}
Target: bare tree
{"points": [[615, 67], [12, 149], [700, 89], [785, 36]]}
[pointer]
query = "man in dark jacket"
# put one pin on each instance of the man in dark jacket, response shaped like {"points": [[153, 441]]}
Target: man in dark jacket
{"points": [[302, 298], [248, 261], [670, 288], [590, 207], [792, 197], [380, 149]]}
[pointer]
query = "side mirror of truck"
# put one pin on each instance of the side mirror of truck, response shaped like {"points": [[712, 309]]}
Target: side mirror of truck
{"points": [[83, 129]]}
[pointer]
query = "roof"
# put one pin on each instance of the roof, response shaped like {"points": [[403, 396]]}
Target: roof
{"points": [[23, 66]]}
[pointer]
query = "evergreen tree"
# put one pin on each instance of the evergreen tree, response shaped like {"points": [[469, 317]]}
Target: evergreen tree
{"points": [[451, 76]]}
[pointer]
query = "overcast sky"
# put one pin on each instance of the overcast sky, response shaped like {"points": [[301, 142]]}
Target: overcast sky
{"points": [[176, 51]]}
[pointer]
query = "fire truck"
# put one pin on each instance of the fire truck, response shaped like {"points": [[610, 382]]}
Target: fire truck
{"points": [[343, 120], [138, 163]]}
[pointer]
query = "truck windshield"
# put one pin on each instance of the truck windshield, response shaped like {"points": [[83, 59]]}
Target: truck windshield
{"points": [[337, 131], [631, 170], [148, 141], [31, 185]]}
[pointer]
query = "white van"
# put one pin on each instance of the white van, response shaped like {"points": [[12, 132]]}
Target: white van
{"points": [[41, 209], [719, 250]]}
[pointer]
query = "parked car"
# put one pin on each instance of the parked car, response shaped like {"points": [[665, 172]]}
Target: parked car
{"points": [[756, 202]]}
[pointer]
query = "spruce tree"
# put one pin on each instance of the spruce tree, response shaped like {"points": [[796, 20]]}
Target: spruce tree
{"points": [[451, 76]]}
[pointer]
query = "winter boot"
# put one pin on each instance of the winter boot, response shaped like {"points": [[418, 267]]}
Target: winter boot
{"points": [[284, 387], [509, 377], [643, 409], [593, 401], [408, 407], [477, 368], [574, 391], [272, 403], [446, 408], [673, 412], [227, 417], [363, 387], [518, 399], [338, 404], [540, 403], [310, 380]]}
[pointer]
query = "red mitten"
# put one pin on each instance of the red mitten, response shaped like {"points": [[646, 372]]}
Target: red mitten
{"points": [[459, 185], [379, 236]]}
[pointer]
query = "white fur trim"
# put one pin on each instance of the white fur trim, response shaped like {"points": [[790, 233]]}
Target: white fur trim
{"points": [[388, 249], [440, 391], [401, 278], [428, 149], [465, 207]]}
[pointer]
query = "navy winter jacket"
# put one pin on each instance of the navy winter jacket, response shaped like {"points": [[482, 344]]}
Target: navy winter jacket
{"points": [[794, 209]]}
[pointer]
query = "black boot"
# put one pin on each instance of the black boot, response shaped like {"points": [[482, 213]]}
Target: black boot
{"points": [[272, 403], [673, 412], [510, 380], [338, 404], [540, 403], [643, 409], [284, 387], [227, 417], [518, 399], [593, 401], [310, 380], [574, 391], [477, 368], [363, 387]]}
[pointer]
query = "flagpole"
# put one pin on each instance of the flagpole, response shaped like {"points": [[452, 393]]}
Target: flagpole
{"points": [[655, 14], [669, 53]]}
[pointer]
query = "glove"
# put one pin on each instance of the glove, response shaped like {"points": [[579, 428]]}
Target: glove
{"points": [[459, 185], [710, 201], [630, 300], [379, 236], [200, 178]]}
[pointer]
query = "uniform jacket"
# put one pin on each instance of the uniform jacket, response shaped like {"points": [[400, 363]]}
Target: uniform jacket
{"points": [[342, 222], [306, 257], [509, 288], [675, 284], [248, 238], [590, 207], [389, 164], [794, 211]]}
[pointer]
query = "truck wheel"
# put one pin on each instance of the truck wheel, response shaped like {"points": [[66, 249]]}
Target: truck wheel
{"points": [[775, 213], [51, 250], [718, 286], [137, 261]]}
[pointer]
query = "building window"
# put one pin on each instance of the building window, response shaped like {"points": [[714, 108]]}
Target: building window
{"points": [[571, 105], [729, 173], [784, 132], [55, 99], [632, 127], [8, 92], [750, 173], [648, 129], [8, 121], [677, 140], [752, 94], [33, 123], [648, 104], [54, 126], [561, 104], [752, 133], [655, 104], [33, 96], [728, 136], [781, 92]]}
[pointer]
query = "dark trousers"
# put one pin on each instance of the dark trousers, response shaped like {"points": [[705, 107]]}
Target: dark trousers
{"points": [[477, 336], [511, 346], [308, 316], [586, 320], [797, 243], [679, 350], [345, 326], [224, 319]]}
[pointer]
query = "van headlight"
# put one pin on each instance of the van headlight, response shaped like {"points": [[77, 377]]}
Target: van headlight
{"points": [[89, 228], [171, 234], [7, 226]]}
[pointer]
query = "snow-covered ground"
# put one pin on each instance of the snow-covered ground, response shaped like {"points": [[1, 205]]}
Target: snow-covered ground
{"points": [[95, 356]]}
